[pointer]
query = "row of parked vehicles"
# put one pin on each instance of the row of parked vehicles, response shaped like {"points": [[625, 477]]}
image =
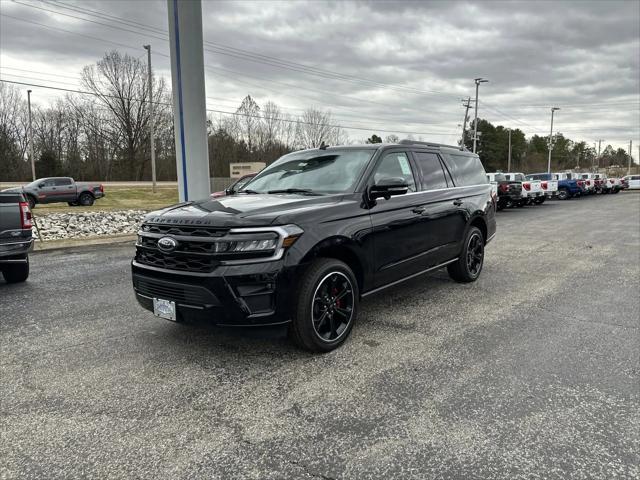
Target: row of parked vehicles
{"points": [[518, 189]]}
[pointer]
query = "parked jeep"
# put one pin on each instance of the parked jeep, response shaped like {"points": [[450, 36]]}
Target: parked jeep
{"points": [[314, 233]]}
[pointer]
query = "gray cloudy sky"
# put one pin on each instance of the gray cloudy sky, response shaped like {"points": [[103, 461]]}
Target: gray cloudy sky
{"points": [[406, 64]]}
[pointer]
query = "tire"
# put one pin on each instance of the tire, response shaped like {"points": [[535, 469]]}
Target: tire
{"points": [[32, 201], [16, 272], [521, 203], [85, 199], [563, 194], [469, 266], [500, 206], [322, 322], [72, 204], [540, 200], [617, 190]]}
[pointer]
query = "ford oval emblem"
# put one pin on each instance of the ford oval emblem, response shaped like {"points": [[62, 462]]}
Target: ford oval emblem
{"points": [[167, 244]]}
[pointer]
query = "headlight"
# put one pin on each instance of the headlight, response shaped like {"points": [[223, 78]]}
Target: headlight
{"points": [[246, 246]]}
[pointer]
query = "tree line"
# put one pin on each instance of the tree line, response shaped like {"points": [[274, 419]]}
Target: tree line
{"points": [[103, 133]]}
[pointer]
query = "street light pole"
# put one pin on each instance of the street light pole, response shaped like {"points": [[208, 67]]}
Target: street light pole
{"points": [[475, 122], [151, 132], [509, 159], [33, 164], [553, 109], [630, 152]]}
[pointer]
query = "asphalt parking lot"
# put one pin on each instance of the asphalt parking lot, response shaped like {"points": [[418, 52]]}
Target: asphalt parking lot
{"points": [[531, 372]]}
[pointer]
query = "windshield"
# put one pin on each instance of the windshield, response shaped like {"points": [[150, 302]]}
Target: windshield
{"points": [[317, 171]]}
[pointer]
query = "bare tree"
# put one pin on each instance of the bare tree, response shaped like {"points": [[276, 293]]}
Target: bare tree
{"points": [[315, 127], [248, 121], [119, 81]]}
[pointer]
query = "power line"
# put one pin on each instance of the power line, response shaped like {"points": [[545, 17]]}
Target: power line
{"points": [[296, 121], [233, 51], [323, 92]]}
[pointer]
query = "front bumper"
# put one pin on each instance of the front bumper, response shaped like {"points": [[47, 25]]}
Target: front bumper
{"points": [[240, 295]]}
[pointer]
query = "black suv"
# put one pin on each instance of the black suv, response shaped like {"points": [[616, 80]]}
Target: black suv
{"points": [[315, 232]]}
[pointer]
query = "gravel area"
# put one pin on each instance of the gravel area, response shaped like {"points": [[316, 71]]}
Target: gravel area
{"points": [[532, 372], [57, 226]]}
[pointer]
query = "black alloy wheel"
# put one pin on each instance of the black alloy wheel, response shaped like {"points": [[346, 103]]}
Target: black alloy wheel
{"points": [[475, 254], [326, 306], [332, 306], [563, 194], [469, 265]]}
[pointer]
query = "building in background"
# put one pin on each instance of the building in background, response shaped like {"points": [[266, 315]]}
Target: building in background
{"points": [[237, 170]]}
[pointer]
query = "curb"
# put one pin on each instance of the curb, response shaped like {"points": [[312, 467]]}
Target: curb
{"points": [[51, 245]]}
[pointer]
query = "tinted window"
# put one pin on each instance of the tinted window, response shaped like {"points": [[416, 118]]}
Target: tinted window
{"points": [[49, 183], [395, 165], [321, 171], [635, 177], [499, 177], [431, 169], [465, 169], [61, 182]]}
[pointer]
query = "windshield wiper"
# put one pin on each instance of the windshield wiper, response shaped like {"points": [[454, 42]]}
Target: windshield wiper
{"points": [[247, 190], [294, 190]]}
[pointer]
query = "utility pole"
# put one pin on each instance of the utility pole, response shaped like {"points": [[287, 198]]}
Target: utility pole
{"points": [[466, 117], [475, 122], [33, 164], [509, 159], [629, 166], [553, 109], [598, 159], [151, 118]]}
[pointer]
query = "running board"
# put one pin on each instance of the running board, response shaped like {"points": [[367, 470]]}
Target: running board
{"points": [[375, 290]]}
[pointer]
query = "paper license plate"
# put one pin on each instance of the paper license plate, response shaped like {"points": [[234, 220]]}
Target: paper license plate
{"points": [[164, 309]]}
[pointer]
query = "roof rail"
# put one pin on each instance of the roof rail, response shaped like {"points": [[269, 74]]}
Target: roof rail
{"points": [[430, 144]]}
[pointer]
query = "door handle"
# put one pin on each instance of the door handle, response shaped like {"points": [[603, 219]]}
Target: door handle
{"points": [[457, 202], [419, 210]]}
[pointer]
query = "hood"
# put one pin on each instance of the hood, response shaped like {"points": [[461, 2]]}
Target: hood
{"points": [[251, 210], [13, 190]]}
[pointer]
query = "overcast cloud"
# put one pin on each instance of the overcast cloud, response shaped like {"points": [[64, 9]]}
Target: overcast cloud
{"points": [[581, 56]]}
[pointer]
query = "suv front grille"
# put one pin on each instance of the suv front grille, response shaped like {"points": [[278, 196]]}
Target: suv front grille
{"points": [[187, 263], [198, 249], [184, 231]]}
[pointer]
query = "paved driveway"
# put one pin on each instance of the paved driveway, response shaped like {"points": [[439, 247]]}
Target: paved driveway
{"points": [[531, 372]]}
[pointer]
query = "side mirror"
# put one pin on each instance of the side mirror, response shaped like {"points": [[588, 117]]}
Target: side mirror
{"points": [[388, 187], [41, 185]]}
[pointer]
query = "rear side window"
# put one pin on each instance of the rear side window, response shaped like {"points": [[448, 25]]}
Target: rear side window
{"points": [[62, 182], [432, 174], [465, 169]]}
